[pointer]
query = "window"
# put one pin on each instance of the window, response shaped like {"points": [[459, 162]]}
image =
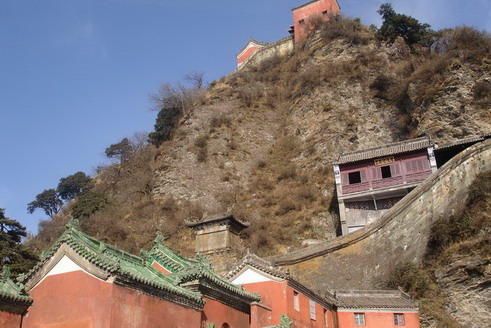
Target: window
{"points": [[324, 12], [354, 177], [399, 319], [312, 310], [301, 22], [359, 319], [386, 172], [296, 304]]}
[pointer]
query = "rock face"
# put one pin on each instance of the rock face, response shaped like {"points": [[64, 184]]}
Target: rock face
{"points": [[466, 280], [266, 132]]}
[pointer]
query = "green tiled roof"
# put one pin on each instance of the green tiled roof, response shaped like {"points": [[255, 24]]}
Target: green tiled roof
{"points": [[184, 270], [138, 272], [126, 267], [10, 291]]}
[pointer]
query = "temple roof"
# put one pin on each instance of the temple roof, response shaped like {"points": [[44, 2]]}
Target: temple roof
{"points": [[185, 270], [265, 266], [138, 272], [10, 290], [13, 297], [385, 150], [374, 299], [257, 43], [463, 141], [229, 220], [127, 268], [309, 3], [261, 264]]}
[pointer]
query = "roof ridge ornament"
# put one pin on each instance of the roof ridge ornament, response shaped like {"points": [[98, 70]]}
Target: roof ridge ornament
{"points": [[6, 273], [203, 260], [159, 239], [73, 224]]}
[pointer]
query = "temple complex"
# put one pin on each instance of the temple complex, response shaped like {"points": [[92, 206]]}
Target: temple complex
{"points": [[83, 282], [304, 18]]}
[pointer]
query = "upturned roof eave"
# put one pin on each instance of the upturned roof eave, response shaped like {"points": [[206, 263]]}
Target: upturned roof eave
{"points": [[118, 264]]}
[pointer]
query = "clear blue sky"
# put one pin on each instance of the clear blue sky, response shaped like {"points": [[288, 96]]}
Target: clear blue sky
{"points": [[75, 75]]}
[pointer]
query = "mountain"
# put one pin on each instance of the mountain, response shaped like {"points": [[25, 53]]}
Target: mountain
{"points": [[260, 142]]}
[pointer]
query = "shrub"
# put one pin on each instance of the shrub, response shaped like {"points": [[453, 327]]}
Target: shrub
{"points": [[172, 102], [250, 93], [411, 278], [287, 172], [381, 86], [219, 120], [340, 27], [88, 203], [201, 141], [469, 43], [270, 63], [201, 155], [285, 206], [482, 93]]}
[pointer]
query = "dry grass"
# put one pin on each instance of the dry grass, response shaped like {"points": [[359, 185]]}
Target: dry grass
{"points": [[350, 30]]}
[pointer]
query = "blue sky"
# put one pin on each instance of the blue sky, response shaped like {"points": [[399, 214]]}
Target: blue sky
{"points": [[75, 75]]}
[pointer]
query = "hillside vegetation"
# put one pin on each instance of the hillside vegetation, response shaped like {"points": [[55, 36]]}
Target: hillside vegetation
{"points": [[260, 142], [455, 277]]}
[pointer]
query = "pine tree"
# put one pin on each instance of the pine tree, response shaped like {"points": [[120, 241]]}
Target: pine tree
{"points": [[12, 251]]}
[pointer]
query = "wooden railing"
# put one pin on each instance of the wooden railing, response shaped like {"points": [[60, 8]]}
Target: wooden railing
{"points": [[387, 182]]}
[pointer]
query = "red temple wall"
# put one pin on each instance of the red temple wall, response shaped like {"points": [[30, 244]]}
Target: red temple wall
{"points": [[245, 56], [273, 295], [377, 320], [76, 300], [70, 300], [10, 320], [219, 314], [314, 9], [279, 297], [260, 316], [131, 308], [301, 318]]}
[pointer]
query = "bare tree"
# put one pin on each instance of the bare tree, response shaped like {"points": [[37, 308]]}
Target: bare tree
{"points": [[196, 79]]}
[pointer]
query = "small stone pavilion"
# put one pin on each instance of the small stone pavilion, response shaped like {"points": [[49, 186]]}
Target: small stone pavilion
{"points": [[370, 181]]}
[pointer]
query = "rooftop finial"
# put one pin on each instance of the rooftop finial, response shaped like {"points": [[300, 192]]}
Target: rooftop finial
{"points": [[6, 272], [73, 223], [159, 239]]}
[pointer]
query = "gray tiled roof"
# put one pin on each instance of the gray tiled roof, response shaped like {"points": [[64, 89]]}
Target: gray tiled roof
{"points": [[385, 150], [374, 299], [464, 141]]}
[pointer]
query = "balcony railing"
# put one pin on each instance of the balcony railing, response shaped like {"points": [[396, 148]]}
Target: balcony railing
{"points": [[387, 182]]}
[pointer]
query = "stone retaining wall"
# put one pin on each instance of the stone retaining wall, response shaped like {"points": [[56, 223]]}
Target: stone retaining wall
{"points": [[281, 48]]}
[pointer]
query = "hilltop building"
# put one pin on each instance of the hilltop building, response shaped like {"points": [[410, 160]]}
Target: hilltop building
{"points": [[312, 10], [303, 15], [83, 282]]}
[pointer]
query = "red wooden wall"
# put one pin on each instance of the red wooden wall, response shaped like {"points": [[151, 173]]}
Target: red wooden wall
{"points": [[406, 168]]}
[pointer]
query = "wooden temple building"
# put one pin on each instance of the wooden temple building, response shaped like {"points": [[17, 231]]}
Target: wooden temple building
{"points": [[371, 181]]}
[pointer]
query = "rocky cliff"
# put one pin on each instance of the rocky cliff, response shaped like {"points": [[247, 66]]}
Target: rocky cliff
{"points": [[261, 141]]}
